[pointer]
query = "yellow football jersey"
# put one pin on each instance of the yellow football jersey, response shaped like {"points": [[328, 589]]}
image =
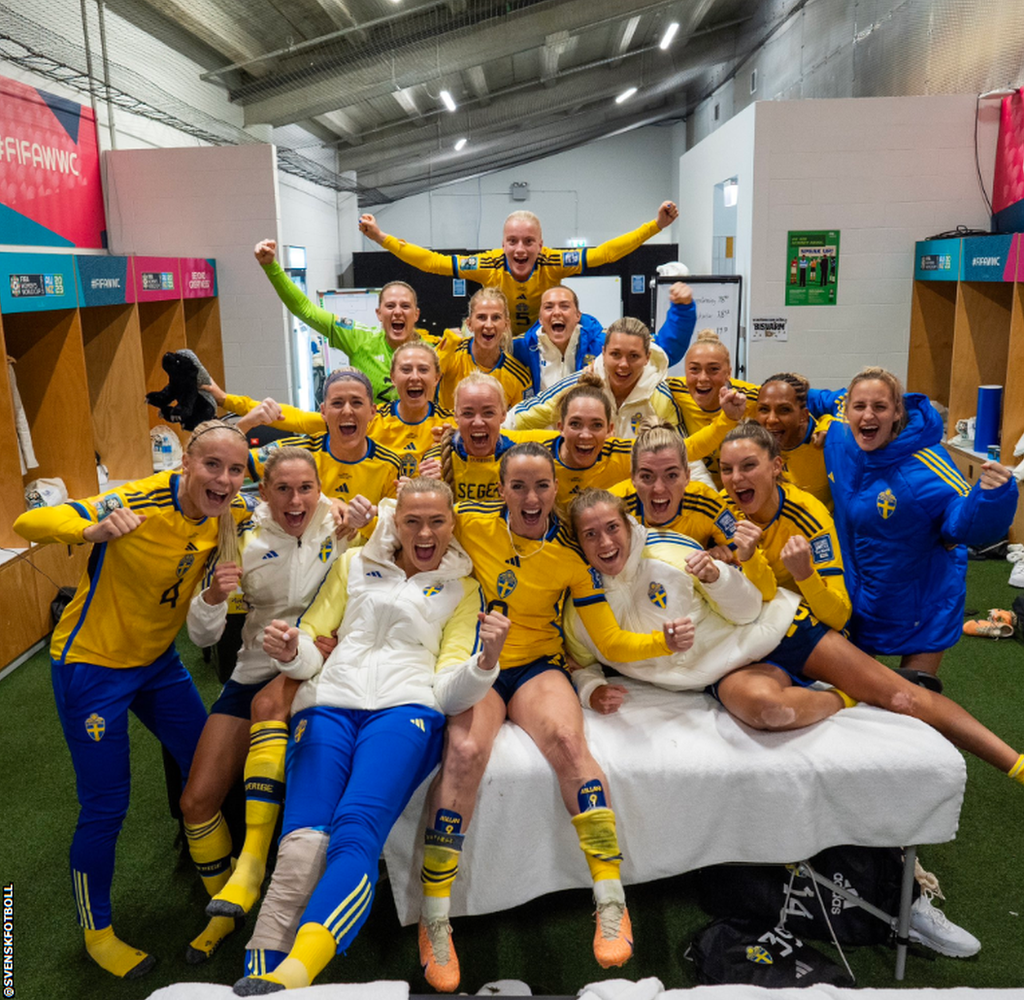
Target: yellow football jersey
{"points": [[477, 478], [528, 581], [694, 418], [490, 268], [134, 595], [824, 590], [457, 361], [410, 442], [373, 475], [805, 467], [610, 468]]}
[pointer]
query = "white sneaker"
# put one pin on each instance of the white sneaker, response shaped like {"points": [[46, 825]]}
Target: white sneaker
{"points": [[932, 928]]}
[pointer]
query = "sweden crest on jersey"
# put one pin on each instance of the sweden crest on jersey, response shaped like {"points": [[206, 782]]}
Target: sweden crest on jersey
{"points": [[184, 565], [408, 464], [95, 726], [759, 955], [886, 504], [656, 594], [434, 588], [506, 583], [300, 730], [634, 422], [326, 548]]}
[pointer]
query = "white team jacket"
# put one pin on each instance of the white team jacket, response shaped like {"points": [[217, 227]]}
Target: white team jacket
{"points": [[733, 626], [403, 640], [280, 576]]}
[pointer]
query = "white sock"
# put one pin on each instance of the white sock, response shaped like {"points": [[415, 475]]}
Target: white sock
{"points": [[435, 908], [609, 890]]}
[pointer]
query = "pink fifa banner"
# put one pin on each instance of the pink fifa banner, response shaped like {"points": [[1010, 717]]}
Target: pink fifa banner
{"points": [[198, 278], [50, 191], [157, 278]]}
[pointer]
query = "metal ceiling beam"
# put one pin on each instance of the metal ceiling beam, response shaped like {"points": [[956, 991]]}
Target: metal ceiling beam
{"points": [[499, 38], [407, 103], [342, 17], [624, 36], [555, 46], [477, 82], [212, 26], [341, 124]]}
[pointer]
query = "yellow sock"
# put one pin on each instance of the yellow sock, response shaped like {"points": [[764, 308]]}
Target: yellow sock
{"points": [[848, 702], [109, 952], [314, 947], [209, 844], [599, 842], [1017, 771], [264, 792], [440, 866], [203, 946]]}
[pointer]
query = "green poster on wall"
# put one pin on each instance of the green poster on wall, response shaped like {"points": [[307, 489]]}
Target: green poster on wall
{"points": [[812, 268]]}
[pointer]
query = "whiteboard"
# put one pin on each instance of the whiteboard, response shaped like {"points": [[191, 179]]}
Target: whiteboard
{"points": [[356, 304], [718, 307], [600, 296]]}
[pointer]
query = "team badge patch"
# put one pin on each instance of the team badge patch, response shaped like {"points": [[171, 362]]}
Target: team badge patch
{"points": [[506, 583], [596, 579], [469, 264], [588, 359], [726, 523], [326, 548], [95, 726], [264, 453], [184, 565], [407, 466], [821, 549], [656, 594], [759, 955], [570, 258], [434, 588], [106, 506], [886, 504], [634, 422], [300, 730]]}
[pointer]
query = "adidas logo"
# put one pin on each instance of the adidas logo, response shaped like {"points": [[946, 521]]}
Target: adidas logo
{"points": [[418, 723], [374, 572], [411, 446], [191, 548], [514, 561], [271, 555], [802, 968]]}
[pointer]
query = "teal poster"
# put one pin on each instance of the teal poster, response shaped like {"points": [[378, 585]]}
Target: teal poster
{"points": [[812, 266]]}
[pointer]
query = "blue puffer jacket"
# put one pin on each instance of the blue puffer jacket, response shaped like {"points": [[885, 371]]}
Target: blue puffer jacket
{"points": [[673, 338], [904, 515]]}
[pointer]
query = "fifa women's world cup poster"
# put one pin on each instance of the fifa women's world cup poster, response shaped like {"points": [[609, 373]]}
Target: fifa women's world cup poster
{"points": [[50, 191], [812, 268]]}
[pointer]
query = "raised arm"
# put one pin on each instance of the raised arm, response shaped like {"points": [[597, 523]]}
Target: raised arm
{"points": [[418, 257], [673, 336]]}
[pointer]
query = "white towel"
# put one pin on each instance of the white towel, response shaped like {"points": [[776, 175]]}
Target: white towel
{"points": [[328, 991]]}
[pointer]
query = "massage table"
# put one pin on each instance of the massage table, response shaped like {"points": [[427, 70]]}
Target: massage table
{"points": [[692, 786]]}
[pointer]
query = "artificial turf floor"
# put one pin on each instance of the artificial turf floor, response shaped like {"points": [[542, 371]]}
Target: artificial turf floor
{"points": [[158, 900]]}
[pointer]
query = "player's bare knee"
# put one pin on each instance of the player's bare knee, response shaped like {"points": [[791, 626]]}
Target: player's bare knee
{"points": [[269, 705], [465, 757], [566, 749], [196, 806], [769, 714]]}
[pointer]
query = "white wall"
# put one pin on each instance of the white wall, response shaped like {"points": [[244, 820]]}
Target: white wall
{"points": [[597, 191], [211, 202], [727, 152], [885, 172]]}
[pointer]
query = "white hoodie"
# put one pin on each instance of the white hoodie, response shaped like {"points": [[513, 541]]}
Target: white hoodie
{"points": [[733, 626], [280, 576], [402, 640]]}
